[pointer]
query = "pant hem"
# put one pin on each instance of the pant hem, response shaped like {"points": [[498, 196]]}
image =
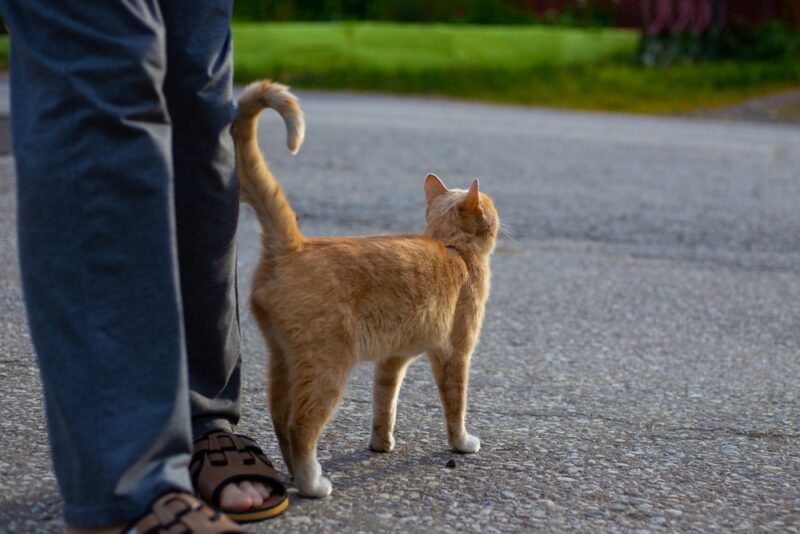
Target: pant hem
{"points": [[119, 513], [203, 427]]}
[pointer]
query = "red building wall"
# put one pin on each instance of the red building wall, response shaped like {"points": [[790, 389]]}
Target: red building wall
{"points": [[629, 14], [743, 12]]}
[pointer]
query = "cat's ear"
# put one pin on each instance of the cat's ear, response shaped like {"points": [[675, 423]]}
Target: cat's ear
{"points": [[434, 187], [473, 200]]}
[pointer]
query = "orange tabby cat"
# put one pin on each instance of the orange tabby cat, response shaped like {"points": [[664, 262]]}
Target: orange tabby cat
{"points": [[324, 304]]}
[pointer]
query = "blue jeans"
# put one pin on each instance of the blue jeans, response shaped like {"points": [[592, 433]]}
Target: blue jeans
{"points": [[127, 214]]}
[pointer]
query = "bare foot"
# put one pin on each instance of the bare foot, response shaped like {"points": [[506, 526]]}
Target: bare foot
{"points": [[242, 496]]}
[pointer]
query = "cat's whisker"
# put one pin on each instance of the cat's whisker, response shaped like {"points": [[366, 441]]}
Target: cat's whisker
{"points": [[507, 231], [509, 237]]}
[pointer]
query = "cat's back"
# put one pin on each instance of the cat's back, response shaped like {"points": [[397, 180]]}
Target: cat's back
{"points": [[376, 263], [375, 278]]}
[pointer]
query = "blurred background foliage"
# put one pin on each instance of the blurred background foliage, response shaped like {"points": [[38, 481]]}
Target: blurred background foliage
{"points": [[622, 55], [572, 13], [766, 33]]}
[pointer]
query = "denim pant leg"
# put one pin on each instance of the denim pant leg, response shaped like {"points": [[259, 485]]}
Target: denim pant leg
{"points": [[97, 250], [198, 89]]}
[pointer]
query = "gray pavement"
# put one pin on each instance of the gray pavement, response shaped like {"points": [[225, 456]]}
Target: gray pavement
{"points": [[639, 367]]}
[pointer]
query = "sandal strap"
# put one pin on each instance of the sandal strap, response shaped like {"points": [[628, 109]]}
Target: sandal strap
{"points": [[181, 513], [221, 458]]}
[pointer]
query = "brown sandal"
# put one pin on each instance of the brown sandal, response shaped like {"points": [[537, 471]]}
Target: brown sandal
{"points": [[221, 458], [181, 513]]}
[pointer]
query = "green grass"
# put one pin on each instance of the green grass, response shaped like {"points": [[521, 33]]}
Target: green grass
{"points": [[4, 52], [621, 86], [315, 49], [562, 67]]}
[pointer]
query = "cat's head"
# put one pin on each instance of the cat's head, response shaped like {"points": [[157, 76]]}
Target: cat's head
{"points": [[464, 219]]}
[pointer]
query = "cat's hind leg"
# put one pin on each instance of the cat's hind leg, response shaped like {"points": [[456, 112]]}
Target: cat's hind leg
{"points": [[317, 386], [278, 377], [388, 377], [451, 372], [280, 401]]}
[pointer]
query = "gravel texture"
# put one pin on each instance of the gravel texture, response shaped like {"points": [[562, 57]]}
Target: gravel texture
{"points": [[639, 367]]}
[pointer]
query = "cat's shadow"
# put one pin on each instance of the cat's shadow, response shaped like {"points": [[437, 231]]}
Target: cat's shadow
{"points": [[365, 464]]}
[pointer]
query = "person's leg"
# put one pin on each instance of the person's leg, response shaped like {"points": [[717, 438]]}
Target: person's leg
{"points": [[198, 89], [97, 250]]}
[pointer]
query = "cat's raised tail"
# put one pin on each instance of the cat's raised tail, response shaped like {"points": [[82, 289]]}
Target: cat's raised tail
{"points": [[257, 186]]}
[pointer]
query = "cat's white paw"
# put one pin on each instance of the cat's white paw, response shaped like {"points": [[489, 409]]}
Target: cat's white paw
{"points": [[467, 444], [380, 443], [309, 480], [318, 489]]}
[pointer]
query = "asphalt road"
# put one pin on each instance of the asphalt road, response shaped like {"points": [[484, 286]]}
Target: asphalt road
{"points": [[639, 367]]}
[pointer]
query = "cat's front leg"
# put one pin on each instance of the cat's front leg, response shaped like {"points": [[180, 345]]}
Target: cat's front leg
{"points": [[388, 377], [451, 372], [466, 444]]}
